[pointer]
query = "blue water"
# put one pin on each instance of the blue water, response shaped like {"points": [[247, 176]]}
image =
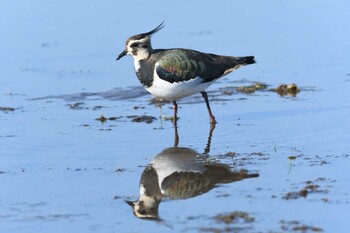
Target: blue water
{"points": [[63, 171]]}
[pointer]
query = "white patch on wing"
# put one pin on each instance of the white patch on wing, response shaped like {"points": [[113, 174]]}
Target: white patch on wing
{"points": [[173, 91], [230, 70]]}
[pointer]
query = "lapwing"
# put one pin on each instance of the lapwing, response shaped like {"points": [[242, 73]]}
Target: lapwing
{"points": [[171, 74], [180, 173]]}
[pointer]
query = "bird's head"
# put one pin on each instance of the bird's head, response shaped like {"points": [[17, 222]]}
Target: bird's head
{"points": [[145, 208], [139, 46]]}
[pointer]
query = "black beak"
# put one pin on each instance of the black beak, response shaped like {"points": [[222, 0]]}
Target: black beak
{"points": [[121, 55], [130, 203]]}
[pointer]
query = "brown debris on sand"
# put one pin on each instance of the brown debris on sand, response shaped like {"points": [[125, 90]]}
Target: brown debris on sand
{"points": [[234, 216], [251, 88], [296, 226], [287, 89], [7, 109], [310, 187], [143, 118]]}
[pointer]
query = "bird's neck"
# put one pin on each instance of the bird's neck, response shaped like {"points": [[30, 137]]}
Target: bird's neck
{"points": [[137, 65], [144, 71], [142, 54], [141, 58]]}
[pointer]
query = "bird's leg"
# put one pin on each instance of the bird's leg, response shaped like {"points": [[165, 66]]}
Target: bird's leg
{"points": [[161, 115], [175, 112], [176, 137], [207, 148], [212, 118]]}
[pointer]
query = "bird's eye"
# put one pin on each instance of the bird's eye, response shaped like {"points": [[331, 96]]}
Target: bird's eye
{"points": [[136, 44], [143, 212]]}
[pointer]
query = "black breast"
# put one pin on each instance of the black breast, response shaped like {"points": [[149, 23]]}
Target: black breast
{"points": [[145, 73]]}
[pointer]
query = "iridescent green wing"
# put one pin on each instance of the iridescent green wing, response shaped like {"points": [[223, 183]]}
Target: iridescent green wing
{"points": [[179, 65]]}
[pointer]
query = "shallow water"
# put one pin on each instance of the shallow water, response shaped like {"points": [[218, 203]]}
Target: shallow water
{"points": [[61, 170]]}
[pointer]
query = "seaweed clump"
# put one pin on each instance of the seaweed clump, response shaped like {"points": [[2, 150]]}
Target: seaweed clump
{"points": [[287, 89]]}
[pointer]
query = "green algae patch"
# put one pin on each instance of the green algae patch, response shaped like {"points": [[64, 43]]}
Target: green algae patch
{"points": [[252, 88]]}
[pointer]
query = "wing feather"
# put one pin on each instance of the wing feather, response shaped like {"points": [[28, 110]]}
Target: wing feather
{"points": [[178, 65]]}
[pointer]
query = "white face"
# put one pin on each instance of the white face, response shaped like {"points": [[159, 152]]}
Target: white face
{"points": [[146, 207], [139, 49]]}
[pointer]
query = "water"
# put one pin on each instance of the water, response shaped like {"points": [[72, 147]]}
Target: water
{"points": [[62, 170]]}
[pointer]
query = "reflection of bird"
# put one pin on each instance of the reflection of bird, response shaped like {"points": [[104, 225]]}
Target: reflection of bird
{"points": [[172, 74], [179, 173]]}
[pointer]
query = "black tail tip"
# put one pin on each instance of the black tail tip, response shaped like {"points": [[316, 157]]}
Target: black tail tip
{"points": [[249, 60]]}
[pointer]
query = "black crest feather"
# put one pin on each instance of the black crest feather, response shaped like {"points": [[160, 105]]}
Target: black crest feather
{"points": [[159, 27], [143, 35]]}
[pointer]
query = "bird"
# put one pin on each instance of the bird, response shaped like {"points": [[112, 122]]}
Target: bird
{"points": [[175, 73], [180, 173]]}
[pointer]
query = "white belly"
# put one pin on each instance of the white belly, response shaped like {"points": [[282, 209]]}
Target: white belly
{"points": [[173, 91], [177, 159]]}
